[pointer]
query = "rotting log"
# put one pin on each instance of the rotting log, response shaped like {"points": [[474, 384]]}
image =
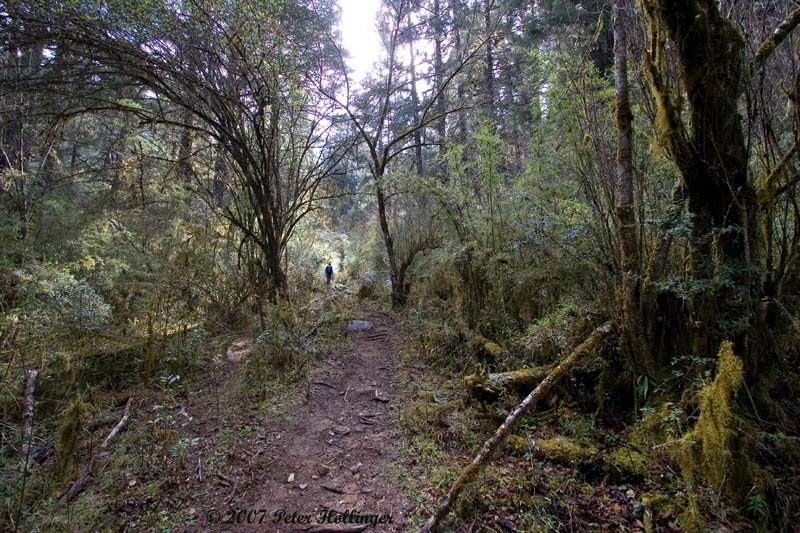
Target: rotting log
{"points": [[490, 348], [480, 461], [97, 463], [27, 413], [488, 388]]}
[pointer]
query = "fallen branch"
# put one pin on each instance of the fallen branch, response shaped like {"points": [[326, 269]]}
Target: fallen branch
{"points": [[97, 463], [325, 385], [490, 446], [337, 490], [27, 413], [310, 332]]}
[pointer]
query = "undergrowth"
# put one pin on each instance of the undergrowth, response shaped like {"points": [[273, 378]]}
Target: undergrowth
{"points": [[689, 464]]}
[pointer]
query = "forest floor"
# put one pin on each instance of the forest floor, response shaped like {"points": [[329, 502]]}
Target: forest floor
{"points": [[369, 432], [330, 447]]}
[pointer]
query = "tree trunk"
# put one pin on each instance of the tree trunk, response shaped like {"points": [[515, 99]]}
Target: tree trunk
{"points": [[398, 299], [438, 72], [277, 277], [636, 349], [418, 133], [710, 154], [27, 413], [489, 72]]}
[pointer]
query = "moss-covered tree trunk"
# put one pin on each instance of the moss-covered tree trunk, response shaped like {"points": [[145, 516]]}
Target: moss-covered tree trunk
{"points": [[636, 348], [709, 151]]}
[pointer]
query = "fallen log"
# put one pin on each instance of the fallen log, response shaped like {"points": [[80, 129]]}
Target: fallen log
{"points": [[96, 465], [488, 388], [27, 413], [480, 461]]}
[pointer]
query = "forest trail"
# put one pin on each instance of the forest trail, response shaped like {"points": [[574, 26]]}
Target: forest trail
{"points": [[334, 451]]}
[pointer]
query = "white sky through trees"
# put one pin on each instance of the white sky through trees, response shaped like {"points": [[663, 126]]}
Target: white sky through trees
{"points": [[359, 35]]}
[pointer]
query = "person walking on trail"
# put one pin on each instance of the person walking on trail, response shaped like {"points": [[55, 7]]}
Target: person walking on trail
{"points": [[328, 273]]}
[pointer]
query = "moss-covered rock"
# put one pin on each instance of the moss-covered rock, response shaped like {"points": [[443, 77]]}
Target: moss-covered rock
{"points": [[516, 445], [657, 502], [564, 451], [626, 464]]}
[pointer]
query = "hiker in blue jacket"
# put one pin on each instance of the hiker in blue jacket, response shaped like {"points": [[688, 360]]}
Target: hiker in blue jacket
{"points": [[328, 273]]}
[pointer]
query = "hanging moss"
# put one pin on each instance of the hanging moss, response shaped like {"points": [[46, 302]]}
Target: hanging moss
{"points": [[69, 437], [706, 450]]}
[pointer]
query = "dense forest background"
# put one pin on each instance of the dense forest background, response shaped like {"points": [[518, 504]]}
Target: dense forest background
{"points": [[511, 176]]}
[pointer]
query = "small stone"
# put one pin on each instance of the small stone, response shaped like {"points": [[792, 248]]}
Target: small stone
{"points": [[291, 478], [355, 468], [330, 441], [358, 325], [303, 486], [341, 430]]}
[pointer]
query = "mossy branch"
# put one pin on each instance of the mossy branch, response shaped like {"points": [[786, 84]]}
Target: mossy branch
{"points": [[775, 38], [27, 413], [769, 189], [480, 461]]}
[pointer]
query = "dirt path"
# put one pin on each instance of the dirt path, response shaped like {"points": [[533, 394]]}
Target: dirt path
{"points": [[334, 452]]}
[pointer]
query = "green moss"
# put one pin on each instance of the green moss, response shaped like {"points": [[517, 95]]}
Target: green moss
{"points": [[69, 437], [691, 520], [625, 463], [657, 502], [660, 425], [493, 349], [564, 451], [706, 449], [516, 445], [788, 450]]}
